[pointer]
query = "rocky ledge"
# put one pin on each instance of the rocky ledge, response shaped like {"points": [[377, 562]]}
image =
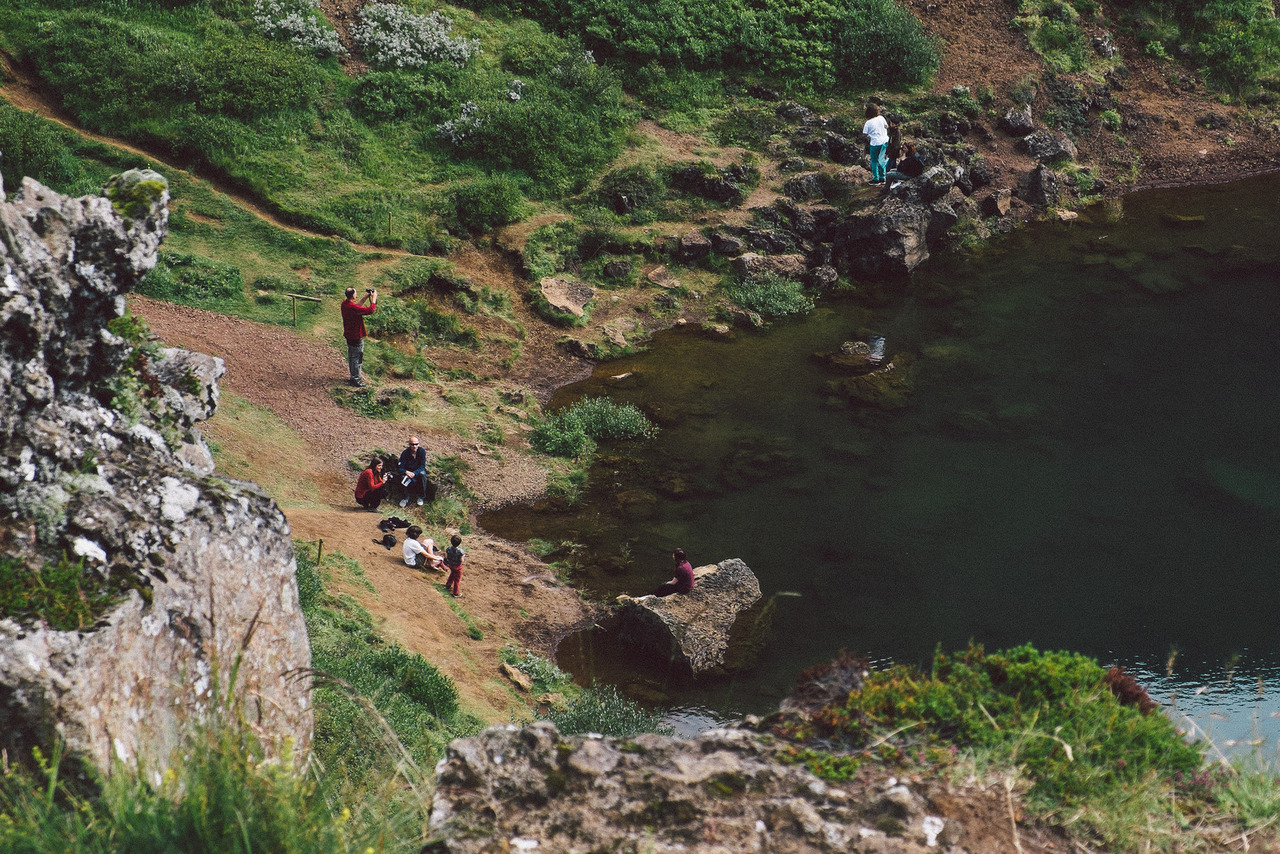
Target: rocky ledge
{"points": [[103, 472], [731, 790]]}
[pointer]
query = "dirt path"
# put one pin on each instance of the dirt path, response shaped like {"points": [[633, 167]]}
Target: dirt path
{"points": [[508, 593]]}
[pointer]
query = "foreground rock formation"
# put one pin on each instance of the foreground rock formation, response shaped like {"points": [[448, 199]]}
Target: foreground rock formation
{"points": [[100, 466], [728, 791], [692, 631]]}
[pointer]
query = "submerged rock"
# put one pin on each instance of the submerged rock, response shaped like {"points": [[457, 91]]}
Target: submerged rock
{"points": [[691, 630]]}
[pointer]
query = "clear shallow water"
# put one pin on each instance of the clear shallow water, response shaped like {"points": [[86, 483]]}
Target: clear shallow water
{"points": [[1088, 460]]}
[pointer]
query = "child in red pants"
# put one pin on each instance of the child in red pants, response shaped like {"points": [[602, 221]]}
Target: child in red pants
{"points": [[453, 561]]}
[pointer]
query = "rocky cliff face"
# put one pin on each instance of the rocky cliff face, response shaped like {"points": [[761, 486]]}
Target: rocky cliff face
{"points": [[724, 791], [101, 466]]}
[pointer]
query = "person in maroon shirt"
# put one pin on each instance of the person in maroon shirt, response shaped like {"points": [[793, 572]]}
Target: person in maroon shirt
{"points": [[371, 488], [683, 581], [353, 329]]}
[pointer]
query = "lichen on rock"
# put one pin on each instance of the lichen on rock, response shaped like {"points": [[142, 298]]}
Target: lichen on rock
{"points": [[207, 563]]}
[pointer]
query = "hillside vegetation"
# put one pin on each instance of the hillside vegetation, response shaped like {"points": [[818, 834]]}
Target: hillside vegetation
{"points": [[393, 149]]}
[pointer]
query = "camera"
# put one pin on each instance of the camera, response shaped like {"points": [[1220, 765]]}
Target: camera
{"points": [[368, 291]]}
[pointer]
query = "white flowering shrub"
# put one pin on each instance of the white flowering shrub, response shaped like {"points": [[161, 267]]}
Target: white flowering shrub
{"points": [[464, 126], [393, 37], [299, 22]]}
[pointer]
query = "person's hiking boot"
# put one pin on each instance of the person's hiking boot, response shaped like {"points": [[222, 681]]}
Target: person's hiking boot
{"points": [[358, 383], [419, 502], [404, 502]]}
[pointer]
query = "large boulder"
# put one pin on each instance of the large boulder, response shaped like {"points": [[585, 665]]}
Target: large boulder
{"points": [[100, 460], [1039, 187], [691, 630], [887, 242], [565, 295], [1047, 146], [1017, 121], [786, 266]]}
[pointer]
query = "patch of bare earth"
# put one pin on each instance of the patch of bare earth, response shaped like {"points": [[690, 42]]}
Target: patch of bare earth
{"points": [[507, 591], [1161, 105]]}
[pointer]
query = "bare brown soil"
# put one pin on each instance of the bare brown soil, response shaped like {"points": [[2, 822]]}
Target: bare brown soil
{"points": [[981, 49]]}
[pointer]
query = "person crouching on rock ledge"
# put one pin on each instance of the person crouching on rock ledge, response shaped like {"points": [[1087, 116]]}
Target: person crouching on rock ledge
{"points": [[683, 580], [371, 488]]}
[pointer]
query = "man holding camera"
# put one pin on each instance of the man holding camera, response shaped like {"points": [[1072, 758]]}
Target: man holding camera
{"points": [[413, 467], [353, 329]]}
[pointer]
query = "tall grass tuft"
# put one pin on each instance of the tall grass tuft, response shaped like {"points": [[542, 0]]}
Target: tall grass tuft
{"points": [[573, 432]]}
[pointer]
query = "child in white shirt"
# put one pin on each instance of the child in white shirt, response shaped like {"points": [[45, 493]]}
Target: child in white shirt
{"points": [[420, 552]]}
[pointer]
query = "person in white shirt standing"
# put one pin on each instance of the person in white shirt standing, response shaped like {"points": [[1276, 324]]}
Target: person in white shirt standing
{"points": [[876, 130]]}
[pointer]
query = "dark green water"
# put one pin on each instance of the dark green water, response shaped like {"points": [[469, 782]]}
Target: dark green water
{"points": [[1088, 460]]}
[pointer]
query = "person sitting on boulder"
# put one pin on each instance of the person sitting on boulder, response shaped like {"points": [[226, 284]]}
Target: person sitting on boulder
{"points": [[420, 553], [371, 488], [908, 167], [683, 581]]}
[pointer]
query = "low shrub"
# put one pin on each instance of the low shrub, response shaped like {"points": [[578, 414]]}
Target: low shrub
{"points": [[572, 432], [299, 22], [770, 295], [601, 709], [550, 132], [1051, 714], [632, 191], [393, 37], [487, 203], [392, 95]]}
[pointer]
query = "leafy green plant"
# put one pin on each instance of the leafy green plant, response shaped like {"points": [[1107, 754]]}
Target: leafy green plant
{"points": [[770, 295], [1053, 28], [1051, 715], [385, 404], [486, 203], [572, 432]]}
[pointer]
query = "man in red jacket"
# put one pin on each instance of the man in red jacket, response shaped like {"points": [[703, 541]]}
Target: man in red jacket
{"points": [[353, 329]]}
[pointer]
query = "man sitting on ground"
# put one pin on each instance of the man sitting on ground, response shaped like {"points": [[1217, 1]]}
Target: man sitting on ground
{"points": [[413, 469], [420, 553]]}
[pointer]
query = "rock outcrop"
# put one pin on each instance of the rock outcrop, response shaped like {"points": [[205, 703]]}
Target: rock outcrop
{"points": [[100, 461], [692, 630], [723, 791]]}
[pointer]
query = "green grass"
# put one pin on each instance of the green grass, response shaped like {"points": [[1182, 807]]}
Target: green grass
{"points": [[473, 630], [599, 708], [1047, 723], [365, 675], [65, 594], [573, 432]]}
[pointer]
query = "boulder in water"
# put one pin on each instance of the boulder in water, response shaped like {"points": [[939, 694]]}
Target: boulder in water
{"points": [[691, 630]]}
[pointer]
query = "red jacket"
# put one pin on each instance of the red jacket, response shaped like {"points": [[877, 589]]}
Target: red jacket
{"points": [[353, 319], [367, 483]]}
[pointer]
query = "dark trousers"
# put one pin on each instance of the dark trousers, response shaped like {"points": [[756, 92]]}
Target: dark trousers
{"points": [[372, 499], [666, 589], [455, 577]]}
